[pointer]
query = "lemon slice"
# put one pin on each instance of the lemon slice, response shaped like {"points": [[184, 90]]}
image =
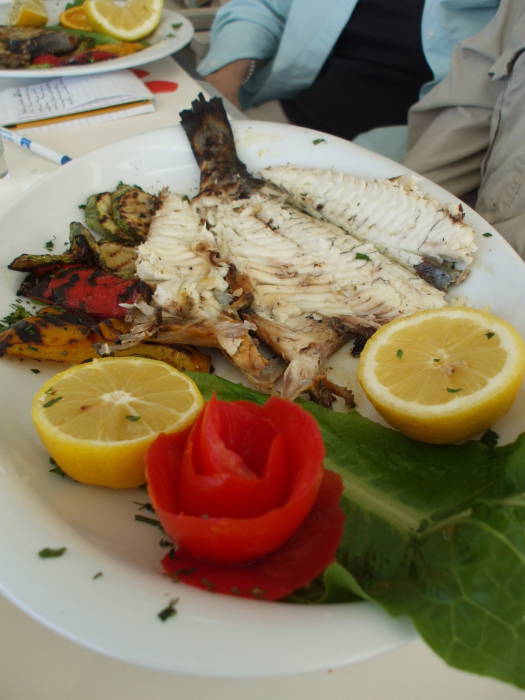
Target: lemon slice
{"points": [[443, 375], [76, 18], [27, 13], [128, 20], [98, 419]]}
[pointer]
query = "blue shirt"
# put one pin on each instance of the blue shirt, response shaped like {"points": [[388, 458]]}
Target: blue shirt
{"points": [[295, 37]]}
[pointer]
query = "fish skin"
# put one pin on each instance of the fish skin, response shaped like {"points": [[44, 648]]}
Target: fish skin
{"points": [[417, 231]]}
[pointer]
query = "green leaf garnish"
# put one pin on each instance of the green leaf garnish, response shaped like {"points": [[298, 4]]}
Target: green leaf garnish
{"points": [[432, 532], [362, 256]]}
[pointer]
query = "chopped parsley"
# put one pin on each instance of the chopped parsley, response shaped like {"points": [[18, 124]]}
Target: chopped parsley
{"points": [[361, 256], [17, 314], [35, 371], [488, 234], [132, 419], [436, 359], [399, 353], [453, 391], [316, 142], [51, 401], [489, 438], [169, 611], [144, 506], [97, 575], [148, 521], [489, 334], [49, 553], [49, 245], [178, 25]]}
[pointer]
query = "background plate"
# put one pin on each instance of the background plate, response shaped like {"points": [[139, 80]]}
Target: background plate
{"points": [[116, 613], [164, 41]]}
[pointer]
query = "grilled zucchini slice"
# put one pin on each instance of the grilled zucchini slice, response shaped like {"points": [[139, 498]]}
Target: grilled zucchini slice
{"points": [[97, 213], [132, 209]]}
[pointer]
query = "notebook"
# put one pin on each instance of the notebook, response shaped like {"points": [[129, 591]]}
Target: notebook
{"points": [[97, 97]]}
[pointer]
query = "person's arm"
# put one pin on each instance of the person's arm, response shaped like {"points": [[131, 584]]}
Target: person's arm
{"points": [[228, 79], [242, 30], [449, 128]]}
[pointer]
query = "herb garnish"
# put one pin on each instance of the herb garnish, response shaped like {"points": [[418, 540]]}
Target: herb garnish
{"points": [[52, 401], [148, 521], [362, 256], [144, 506], [17, 314], [49, 553], [453, 391], [316, 142], [487, 234], [399, 353], [489, 438], [132, 419], [97, 575], [169, 610], [35, 371], [49, 245], [490, 334]]}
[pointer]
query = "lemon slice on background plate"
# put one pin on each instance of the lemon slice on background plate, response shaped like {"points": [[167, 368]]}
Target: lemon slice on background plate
{"points": [[98, 419], [76, 18], [127, 20], [27, 13], [443, 375]]}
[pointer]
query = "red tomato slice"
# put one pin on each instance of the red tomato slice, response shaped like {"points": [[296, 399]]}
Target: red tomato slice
{"points": [[294, 565], [210, 528]]}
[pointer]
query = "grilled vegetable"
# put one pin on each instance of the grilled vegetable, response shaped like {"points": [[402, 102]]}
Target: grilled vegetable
{"points": [[68, 336], [97, 213], [84, 288], [123, 215], [83, 248], [132, 209]]}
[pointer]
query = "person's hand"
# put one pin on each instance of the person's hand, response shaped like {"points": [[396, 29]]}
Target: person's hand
{"points": [[228, 79]]}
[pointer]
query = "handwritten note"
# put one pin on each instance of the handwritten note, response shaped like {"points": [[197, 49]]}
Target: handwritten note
{"points": [[70, 96]]}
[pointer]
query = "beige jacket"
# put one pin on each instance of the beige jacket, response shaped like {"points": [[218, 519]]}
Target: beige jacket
{"points": [[468, 133]]}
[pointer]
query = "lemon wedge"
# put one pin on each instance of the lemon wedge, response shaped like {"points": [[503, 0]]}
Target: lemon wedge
{"points": [[127, 20], [27, 13], [98, 419], [76, 18], [441, 376]]}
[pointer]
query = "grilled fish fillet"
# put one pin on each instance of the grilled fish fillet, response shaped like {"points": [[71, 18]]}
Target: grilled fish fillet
{"points": [[240, 259], [393, 214]]}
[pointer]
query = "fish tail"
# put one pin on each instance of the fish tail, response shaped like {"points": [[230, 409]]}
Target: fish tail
{"points": [[212, 142]]}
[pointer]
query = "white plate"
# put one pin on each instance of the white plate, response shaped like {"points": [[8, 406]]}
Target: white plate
{"points": [[116, 613], [166, 40]]}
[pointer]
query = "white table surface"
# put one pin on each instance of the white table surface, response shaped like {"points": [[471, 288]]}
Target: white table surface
{"points": [[38, 664]]}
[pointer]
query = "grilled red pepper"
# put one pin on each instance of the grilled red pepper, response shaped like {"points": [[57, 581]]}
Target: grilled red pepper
{"points": [[84, 288]]}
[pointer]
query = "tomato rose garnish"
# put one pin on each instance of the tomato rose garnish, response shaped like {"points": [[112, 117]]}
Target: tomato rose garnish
{"points": [[241, 492]]}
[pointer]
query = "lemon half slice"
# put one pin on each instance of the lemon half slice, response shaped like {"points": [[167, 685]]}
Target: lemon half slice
{"points": [[27, 13], [127, 20], [98, 419], [443, 375]]}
